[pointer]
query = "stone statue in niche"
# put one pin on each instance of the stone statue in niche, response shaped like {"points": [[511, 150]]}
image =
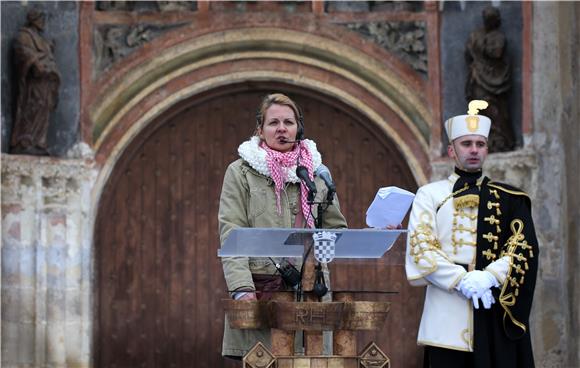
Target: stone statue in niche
{"points": [[38, 84], [489, 77]]}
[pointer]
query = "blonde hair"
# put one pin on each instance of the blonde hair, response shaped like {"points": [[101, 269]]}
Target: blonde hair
{"points": [[277, 99]]}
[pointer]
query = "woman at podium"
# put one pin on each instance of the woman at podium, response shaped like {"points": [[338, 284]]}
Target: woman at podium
{"points": [[263, 188]]}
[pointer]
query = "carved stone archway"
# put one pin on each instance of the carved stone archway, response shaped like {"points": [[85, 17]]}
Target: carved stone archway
{"points": [[133, 98]]}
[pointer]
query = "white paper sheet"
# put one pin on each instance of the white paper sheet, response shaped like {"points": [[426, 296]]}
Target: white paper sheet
{"points": [[389, 207]]}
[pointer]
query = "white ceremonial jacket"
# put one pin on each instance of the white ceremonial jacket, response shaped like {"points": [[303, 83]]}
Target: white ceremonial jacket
{"points": [[441, 243]]}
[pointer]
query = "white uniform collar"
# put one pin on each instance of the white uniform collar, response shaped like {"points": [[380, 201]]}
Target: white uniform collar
{"points": [[251, 152], [453, 178]]}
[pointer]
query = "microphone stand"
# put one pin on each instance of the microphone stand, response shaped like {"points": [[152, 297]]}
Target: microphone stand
{"points": [[320, 289]]}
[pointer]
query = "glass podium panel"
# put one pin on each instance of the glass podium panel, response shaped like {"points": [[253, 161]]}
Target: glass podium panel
{"points": [[285, 242]]}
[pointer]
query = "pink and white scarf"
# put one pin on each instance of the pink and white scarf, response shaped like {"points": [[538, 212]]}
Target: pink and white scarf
{"points": [[277, 160]]}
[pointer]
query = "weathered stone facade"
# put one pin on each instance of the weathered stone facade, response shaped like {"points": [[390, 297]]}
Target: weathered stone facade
{"points": [[46, 261], [556, 138], [49, 207]]}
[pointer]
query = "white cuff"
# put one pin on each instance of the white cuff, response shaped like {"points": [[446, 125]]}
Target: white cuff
{"points": [[239, 294]]}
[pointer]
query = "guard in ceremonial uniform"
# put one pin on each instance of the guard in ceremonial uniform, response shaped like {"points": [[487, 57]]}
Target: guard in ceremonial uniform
{"points": [[471, 242]]}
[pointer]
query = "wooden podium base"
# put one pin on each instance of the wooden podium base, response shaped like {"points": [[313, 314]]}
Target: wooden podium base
{"points": [[371, 357], [284, 317], [306, 316]]}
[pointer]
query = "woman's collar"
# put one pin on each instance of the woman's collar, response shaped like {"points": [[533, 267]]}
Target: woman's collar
{"points": [[251, 152]]}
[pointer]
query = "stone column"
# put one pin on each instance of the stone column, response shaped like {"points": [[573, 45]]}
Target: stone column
{"points": [[46, 261]]}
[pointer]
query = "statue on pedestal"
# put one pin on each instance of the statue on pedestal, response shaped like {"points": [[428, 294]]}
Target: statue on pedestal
{"points": [[489, 77], [38, 84]]}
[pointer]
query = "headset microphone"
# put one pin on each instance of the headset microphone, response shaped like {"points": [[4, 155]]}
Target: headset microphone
{"points": [[297, 140]]}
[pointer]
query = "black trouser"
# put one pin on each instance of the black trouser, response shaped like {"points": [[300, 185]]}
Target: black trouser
{"points": [[446, 358]]}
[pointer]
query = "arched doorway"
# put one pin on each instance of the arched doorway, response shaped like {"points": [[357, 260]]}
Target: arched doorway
{"points": [[159, 280]]}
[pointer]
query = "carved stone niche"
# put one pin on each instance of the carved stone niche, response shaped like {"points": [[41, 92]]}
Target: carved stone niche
{"points": [[489, 78], [405, 39], [37, 84]]}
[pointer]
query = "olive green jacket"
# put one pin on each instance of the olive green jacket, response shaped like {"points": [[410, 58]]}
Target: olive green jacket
{"points": [[248, 200]]}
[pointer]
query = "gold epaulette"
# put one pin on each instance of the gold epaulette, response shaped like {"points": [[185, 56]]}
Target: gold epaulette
{"points": [[504, 189]]}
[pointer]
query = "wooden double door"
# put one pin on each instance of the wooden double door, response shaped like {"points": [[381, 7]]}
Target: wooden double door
{"points": [[159, 280]]}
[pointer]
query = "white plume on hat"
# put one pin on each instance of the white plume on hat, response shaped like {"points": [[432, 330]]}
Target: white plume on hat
{"points": [[461, 125]]}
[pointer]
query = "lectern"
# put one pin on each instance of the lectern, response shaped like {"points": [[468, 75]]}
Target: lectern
{"points": [[344, 316]]}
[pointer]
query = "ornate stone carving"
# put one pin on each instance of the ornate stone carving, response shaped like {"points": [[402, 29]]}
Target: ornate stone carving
{"points": [[174, 5], [138, 35], [38, 84], [109, 47], [410, 6], [146, 6], [405, 39], [373, 6], [113, 43], [114, 5], [489, 78]]}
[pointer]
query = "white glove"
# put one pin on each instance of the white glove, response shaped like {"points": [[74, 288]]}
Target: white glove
{"points": [[487, 299], [478, 282], [464, 287]]}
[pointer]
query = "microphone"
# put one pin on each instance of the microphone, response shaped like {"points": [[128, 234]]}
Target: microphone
{"points": [[320, 289], [284, 140], [302, 173], [324, 174]]}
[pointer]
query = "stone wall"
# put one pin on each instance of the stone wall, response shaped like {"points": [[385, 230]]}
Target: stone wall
{"points": [[571, 141], [555, 102], [46, 262]]}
